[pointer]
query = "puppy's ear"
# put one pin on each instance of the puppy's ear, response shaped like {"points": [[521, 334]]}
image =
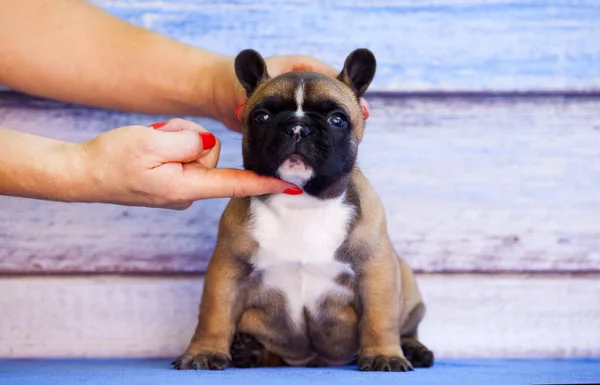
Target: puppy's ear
{"points": [[359, 70], [250, 69]]}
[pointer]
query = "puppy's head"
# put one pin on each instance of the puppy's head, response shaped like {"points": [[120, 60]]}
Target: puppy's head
{"points": [[304, 127]]}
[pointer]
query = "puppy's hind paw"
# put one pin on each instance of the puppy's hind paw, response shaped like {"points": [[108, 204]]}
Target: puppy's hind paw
{"points": [[246, 351], [203, 361], [417, 353], [384, 364]]}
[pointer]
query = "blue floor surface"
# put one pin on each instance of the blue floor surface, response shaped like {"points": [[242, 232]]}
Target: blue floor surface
{"points": [[445, 372]]}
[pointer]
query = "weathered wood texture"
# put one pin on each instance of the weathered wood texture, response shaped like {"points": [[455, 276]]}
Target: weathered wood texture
{"points": [[485, 184], [468, 316], [439, 45]]}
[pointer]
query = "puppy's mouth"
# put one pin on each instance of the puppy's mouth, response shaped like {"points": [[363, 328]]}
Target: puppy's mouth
{"points": [[295, 169]]}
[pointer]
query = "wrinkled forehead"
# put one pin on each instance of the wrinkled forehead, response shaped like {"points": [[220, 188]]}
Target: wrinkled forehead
{"points": [[304, 92]]}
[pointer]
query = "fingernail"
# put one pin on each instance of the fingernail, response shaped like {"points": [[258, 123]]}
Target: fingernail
{"points": [[238, 110], [365, 112], [208, 140], [293, 191], [156, 126]]}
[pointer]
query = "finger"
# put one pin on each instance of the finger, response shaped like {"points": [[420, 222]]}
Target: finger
{"points": [[364, 103], [208, 159], [178, 206], [177, 124], [226, 182], [184, 146], [365, 107], [281, 64], [309, 63]]}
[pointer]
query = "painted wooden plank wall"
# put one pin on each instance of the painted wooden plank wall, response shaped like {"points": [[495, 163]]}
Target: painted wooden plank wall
{"points": [[427, 45], [485, 184], [467, 317], [477, 184]]}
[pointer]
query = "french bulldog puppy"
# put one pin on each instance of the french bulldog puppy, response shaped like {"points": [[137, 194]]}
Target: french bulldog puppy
{"points": [[309, 279]]}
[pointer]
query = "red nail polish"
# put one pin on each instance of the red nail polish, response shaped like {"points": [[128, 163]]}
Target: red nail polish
{"points": [[208, 140], [238, 110], [293, 191], [365, 112], [156, 126]]}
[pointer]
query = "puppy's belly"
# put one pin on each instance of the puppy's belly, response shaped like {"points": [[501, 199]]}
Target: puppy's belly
{"points": [[317, 322], [305, 285], [298, 237]]}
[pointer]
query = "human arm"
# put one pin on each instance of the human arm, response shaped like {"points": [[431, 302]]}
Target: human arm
{"points": [[73, 51], [134, 165]]}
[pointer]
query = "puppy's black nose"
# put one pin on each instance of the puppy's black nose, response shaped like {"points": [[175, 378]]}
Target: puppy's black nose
{"points": [[298, 131]]}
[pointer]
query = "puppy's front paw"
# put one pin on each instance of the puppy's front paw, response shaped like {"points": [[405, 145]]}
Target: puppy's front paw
{"points": [[384, 364], [202, 361]]}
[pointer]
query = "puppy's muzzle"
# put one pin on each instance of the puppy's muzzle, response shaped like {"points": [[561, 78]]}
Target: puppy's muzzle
{"points": [[298, 132]]}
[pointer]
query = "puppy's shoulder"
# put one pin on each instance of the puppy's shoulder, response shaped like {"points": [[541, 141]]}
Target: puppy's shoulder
{"points": [[369, 209], [234, 230], [236, 214], [367, 234]]}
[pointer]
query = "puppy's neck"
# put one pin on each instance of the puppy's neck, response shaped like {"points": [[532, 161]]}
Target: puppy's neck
{"points": [[323, 188], [283, 203]]}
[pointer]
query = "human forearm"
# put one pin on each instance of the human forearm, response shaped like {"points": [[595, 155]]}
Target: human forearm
{"points": [[170, 166], [73, 51], [40, 168]]}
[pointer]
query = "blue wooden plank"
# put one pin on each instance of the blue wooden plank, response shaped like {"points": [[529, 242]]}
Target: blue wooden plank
{"points": [[429, 45]]}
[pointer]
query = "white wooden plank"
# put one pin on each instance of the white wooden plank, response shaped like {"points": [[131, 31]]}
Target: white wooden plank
{"points": [[431, 45], [468, 316], [469, 184]]}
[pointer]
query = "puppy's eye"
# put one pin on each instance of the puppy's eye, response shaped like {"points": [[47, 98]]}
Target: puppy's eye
{"points": [[261, 117], [338, 120]]}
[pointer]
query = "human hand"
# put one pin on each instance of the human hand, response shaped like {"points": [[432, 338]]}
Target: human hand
{"points": [[229, 93], [170, 167]]}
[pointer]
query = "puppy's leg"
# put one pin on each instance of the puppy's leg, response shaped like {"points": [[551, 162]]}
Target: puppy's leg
{"points": [[412, 301], [220, 309], [417, 353], [379, 331]]}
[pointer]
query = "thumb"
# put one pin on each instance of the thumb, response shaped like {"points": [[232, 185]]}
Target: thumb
{"points": [[184, 146], [228, 182]]}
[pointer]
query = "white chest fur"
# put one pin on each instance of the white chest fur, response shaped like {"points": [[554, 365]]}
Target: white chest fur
{"points": [[298, 237]]}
